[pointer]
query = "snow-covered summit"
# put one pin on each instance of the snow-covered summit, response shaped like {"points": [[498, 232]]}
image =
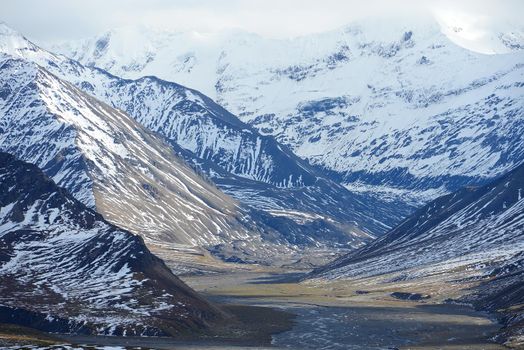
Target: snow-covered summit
{"points": [[388, 107], [481, 35], [135, 51], [12, 41]]}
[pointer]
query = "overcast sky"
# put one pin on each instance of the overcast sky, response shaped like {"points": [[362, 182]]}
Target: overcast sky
{"points": [[56, 20]]}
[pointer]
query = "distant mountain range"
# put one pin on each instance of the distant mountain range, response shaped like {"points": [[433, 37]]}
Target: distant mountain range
{"points": [[395, 110], [314, 147]]}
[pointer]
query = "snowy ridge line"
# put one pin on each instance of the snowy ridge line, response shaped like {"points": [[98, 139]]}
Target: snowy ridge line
{"points": [[421, 114]]}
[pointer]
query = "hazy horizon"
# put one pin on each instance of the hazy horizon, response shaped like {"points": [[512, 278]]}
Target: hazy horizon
{"points": [[62, 20]]}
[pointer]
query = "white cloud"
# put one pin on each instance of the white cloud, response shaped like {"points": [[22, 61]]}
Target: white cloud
{"points": [[51, 20]]}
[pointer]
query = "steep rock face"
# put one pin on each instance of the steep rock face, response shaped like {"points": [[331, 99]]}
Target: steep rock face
{"points": [[401, 112], [63, 268], [253, 168], [111, 163], [197, 124], [478, 230]]}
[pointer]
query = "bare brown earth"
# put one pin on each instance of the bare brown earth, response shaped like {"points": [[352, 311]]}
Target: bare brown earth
{"points": [[11, 335]]}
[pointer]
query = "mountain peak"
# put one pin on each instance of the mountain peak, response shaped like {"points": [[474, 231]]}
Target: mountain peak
{"points": [[11, 41], [5, 29]]}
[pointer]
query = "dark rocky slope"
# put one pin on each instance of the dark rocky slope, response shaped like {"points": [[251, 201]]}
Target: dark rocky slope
{"points": [[63, 268], [477, 230]]}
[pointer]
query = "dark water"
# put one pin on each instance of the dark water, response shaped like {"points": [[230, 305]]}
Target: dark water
{"points": [[334, 328]]}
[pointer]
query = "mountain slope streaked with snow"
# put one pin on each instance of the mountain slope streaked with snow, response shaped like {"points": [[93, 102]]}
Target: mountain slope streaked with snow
{"points": [[63, 268], [136, 180], [251, 167], [478, 231], [111, 163]]}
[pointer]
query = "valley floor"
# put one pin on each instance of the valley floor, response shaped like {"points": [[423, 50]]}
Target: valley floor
{"points": [[321, 316], [341, 316]]}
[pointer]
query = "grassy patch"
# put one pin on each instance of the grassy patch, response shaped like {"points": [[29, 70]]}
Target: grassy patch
{"points": [[11, 334]]}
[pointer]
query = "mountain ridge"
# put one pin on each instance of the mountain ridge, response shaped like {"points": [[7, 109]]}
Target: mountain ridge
{"points": [[86, 142], [243, 163], [369, 135]]}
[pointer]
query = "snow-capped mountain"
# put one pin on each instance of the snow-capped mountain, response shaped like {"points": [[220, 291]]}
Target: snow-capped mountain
{"points": [[476, 230], [110, 162], [475, 224], [134, 178], [63, 268], [251, 167], [497, 37], [393, 108]]}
